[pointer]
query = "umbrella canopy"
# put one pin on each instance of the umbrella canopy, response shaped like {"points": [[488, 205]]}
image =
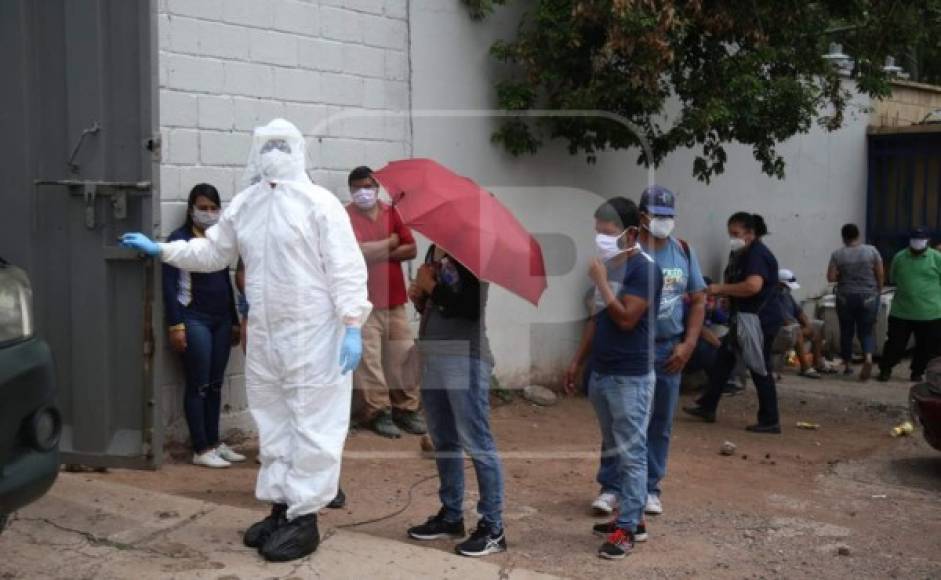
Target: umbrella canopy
{"points": [[468, 222]]}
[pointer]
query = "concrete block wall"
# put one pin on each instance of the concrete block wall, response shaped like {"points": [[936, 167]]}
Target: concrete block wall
{"points": [[227, 66]]}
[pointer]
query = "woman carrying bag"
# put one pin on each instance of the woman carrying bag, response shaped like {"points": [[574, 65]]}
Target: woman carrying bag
{"points": [[751, 282]]}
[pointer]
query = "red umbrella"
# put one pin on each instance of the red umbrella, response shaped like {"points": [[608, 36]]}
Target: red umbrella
{"points": [[468, 222]]}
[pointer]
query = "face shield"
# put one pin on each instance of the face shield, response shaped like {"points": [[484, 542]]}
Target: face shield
{"points": [[278, 154]]}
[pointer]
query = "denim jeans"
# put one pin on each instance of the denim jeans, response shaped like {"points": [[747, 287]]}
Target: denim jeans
{"points": [[726, 360], [666, 395], [455, 394], [857, 314], [622, 404], [208, 343], [665, 398]]}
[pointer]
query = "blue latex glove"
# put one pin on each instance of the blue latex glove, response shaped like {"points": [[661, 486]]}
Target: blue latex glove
{"points": [[141, 243], [352, 349]]}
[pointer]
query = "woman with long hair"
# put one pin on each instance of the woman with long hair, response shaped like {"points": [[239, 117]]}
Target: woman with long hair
{"points": [[203, 325]]}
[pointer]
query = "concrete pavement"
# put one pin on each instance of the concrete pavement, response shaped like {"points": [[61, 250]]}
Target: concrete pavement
{"points": [[96, 529]]}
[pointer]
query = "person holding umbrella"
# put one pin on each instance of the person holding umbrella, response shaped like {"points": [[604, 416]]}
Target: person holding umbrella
{"points": [[455, 393], [477, 241]]}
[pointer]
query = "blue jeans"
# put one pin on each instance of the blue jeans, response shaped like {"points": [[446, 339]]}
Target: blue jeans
{"points": [[455, 394], [666, 395], [665, 398], [857, 314], [622, 404], [208, 343]]}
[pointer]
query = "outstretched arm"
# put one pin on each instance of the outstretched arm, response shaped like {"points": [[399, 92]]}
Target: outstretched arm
{"points": [[209, 254], [217, 250]]}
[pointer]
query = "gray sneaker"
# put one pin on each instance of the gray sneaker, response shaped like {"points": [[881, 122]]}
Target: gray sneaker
{"points": [[411, 422], [383, 425]]}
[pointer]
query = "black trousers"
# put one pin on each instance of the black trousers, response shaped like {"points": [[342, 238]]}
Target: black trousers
{"points": [[927, 343], [722, 370]]}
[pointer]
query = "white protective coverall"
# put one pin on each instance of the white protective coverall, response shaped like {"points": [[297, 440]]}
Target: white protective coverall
{"points": [[305, 282]]}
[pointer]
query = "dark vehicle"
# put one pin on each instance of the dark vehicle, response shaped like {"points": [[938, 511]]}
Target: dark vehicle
{"points": [[925, 404], [30, 424]]}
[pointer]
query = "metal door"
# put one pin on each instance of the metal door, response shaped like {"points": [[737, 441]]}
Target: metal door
{"points": [[904, 185], [77, 151]]}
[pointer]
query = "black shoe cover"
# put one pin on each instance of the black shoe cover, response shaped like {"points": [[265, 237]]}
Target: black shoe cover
{"points": [[339, 501], [259, 532], [295, 539]]}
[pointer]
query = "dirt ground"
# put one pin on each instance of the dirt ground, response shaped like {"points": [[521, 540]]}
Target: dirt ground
{"points": [[843, 501]]}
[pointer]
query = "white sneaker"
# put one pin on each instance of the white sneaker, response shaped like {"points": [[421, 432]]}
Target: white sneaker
{"points": [[605, 504], [227, 453], [210, 459], [653, 507]]}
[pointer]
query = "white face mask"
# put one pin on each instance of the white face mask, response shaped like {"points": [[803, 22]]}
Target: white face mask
{"points": [[918, 245], [205, 219], [365, 197], [661, 228], [607, 246], [737, 244], [276, 164]]}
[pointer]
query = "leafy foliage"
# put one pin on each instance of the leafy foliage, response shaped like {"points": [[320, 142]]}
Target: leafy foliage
{"points": [[747, 71]]}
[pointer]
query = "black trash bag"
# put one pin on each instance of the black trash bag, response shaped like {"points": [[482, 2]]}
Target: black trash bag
{"points": [[295, 539], [259, 532]]}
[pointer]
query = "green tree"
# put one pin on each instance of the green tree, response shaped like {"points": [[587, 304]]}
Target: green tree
{"points": [[747, 71]]}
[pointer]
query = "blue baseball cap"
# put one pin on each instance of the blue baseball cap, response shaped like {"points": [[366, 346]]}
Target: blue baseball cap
{"points": [[657, 200]]}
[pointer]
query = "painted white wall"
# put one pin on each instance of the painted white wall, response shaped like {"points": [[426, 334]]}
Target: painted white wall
{"points": [[227, 66], [553, 192]]}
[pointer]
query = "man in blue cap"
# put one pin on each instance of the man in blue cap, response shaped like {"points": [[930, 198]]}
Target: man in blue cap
{"points": [[679, 322]]}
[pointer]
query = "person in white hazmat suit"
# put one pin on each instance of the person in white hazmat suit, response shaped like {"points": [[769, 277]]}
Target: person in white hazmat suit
{"points": [[306, 283]]}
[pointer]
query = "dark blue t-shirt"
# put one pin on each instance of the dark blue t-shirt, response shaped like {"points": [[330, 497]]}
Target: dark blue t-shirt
{"points": [[629, 352], [757, 260]]}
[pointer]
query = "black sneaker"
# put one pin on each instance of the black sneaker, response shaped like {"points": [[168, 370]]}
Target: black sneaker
{"points": [[437, 527], [697, 411], [256, 535], [295, 539], [383, 425], [619, 544], [410, 421], [339, 501], [884, 376], [483, 541], [606, 529]]}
